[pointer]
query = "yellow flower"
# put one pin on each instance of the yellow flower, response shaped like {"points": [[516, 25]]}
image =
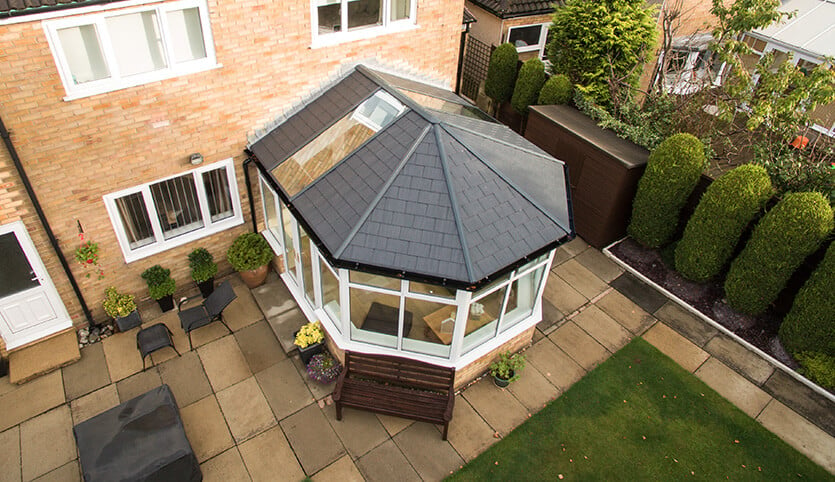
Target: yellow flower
{"points": [[309, 334]]}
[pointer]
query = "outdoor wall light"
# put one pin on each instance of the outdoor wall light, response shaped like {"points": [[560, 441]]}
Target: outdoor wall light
{"points": [[196, 159]]}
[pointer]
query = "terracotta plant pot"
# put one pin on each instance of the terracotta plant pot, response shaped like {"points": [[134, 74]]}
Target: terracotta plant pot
{"points": [[255, 278]]}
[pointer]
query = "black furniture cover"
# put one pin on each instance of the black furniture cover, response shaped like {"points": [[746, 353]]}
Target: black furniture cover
{"points": [[141, 439]]}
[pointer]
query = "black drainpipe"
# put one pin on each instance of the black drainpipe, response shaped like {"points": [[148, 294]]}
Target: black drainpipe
{"points": [[52, 240], [249, 191]]}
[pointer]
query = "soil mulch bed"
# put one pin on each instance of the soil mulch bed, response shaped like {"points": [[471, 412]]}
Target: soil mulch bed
{"points": [[707, 298]]}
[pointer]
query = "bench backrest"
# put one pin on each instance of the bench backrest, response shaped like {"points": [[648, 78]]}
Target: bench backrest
{"points": [[399, 371]]}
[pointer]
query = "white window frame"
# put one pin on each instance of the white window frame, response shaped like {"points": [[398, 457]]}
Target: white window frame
{"points": [[543, 35], [333, 38], [161, 244], [115, 81]]}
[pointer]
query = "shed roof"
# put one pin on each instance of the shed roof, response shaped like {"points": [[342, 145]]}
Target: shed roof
{"points": [[811, 30], [440, 193]]}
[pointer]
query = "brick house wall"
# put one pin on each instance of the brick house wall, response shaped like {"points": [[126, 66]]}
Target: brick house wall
{"points": [[76, 151]]}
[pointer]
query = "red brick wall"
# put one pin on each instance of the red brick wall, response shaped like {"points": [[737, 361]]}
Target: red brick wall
{"points": [[74, 152]]}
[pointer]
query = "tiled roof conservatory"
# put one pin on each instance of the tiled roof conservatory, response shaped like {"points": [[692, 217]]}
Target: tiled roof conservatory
{"points": [[410, 222]]}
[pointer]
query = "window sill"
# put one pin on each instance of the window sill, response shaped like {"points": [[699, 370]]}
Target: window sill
{"points": [[140, 80], [328, 40]]}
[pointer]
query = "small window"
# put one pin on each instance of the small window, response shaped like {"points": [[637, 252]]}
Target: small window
{"points": [[160, 215], [354, 19], [529, 38], [113, 50]]}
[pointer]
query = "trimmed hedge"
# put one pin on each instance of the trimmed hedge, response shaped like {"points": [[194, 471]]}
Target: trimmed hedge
{"points": [[726, 208], [557, 90], [810, 325], [501, 73], [528, 84], [673, 170], [783, 238]]}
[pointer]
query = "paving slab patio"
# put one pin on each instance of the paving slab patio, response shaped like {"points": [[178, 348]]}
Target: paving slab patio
{"points": [[360, 431], [226, 467], [599, 264], [533, 389], [10, 455], [207, 334], [745, 395], [259, 346], [46, 442], [741, 359], [580, 278], [553, 363], [284, 389], [579, 345], [624, 311], [575, 246], [69, 472], [497, 406], [686, 323], [206, 428], [136, 385], [23, 402], [273, 298], [394, 425], [551, 316], [268, 457], [88, 374], [386, 463], [561, 295], [468, 433], [343, 470], [244, 310], [186, 378], [603, 328], [802, 399], [123, 359], [94, 403], [639, 292], [245, 409], [431, 457], [284, 325], [312, 439], [800, 434], [223, 362], [680, 349]]}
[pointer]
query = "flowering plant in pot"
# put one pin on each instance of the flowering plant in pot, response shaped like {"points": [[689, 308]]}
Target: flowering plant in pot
{"points": [[507, 368], [203, 270], [310, 340], [250, 255], [87, 255], [122, 308], [323, 368], [161, 286]]}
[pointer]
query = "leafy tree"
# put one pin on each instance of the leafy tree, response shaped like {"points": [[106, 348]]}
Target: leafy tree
{"points": [[528, 84], [501, 73], [601, 45]]}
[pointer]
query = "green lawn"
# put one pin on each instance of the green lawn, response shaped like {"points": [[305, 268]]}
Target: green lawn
{"points": [[639, 416]]}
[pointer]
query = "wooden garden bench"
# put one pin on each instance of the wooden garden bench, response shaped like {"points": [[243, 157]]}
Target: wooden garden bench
{"points": [[396, 386]]}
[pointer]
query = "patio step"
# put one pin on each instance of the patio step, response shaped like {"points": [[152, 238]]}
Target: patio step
{"points": [[43, 357]]}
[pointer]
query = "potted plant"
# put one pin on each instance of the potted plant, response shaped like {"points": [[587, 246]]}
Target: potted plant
{"points": [[122, 308], [161, 286], [310, 340], [203, 270], [250, 255], [506, 369], [323, 368]]}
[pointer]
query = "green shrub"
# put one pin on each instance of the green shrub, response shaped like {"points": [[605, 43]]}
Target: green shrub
{"points": [[501, 73], [810, 325], [117, 305], [159, 280], [818, 367], [528, 84], [726, 208], [783, 238], [673, 170], [557, 90], [202, 264], [249, 251]]}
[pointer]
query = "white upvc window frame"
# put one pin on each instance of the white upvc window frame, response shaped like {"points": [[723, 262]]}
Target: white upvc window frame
{"points": [[115, 81], [161, 244], [543, 36], [332, 38]]}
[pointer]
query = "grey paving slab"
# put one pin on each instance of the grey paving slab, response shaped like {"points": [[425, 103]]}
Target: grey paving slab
{"points": [[10, 455], [562, 295], [70, 472], [561, 256], [273, 298], [431, 457], [206, 428], [798, 432], [268, 457], [284, 325], [749, 364], [87, 374], [224, 363], [580, 278], [537, 335], [394, 425], [575, 246], [533, 389], [686, 323], [579, 345], [639, 292], [468, 433], [626, 312], [243, 311], [360, 431], [495, 405], [136, 385], [225, 467], [284, 389], [599, 264], [123, 359], [46, 442], [186, 378], [245, 409], [94, 403], [312, 439], [745, 395], [551, 316], [680, 349], [207, 334], [343, 470], [603, 328], [554, 364], [34, 397], [802, 399], [259, 346], [387, 463]]}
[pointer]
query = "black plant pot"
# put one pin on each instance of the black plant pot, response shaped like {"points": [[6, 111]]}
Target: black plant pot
{"points": [[207, 287], [166, 303], [132, 320], [501, 382], [308, 352]]}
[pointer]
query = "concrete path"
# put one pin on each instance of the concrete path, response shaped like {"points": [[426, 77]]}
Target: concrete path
{"points": [[251, 413]]}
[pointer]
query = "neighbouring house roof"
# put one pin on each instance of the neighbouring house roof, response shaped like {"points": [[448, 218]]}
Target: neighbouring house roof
{"points": [[516, 8], [694, 43], [468, 17], [440, 192], [9, 8], [811, 30]]}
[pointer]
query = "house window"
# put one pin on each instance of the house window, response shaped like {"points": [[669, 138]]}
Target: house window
{"points": [[342, 20], [109, 51], [529, 38], [169, 212]]}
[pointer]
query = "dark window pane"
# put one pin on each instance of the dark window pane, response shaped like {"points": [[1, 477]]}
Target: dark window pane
{"points": [[364, 13], [135, 221], [525, 36], [217, 194], [17, 273], [177, 207]]}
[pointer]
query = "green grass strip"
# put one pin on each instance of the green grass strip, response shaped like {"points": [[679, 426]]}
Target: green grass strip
{"points": [[640, 416]]}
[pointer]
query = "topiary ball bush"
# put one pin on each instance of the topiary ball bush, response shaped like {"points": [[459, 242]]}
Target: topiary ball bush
{"points": [[672, 172], [501, 73], [557, 90], [783, 238], [159, 281], [810, 324], [202, 264], [528, 84], [249, 251], [723, 213]]}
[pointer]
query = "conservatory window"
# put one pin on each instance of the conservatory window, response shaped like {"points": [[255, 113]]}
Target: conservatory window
{"points": [[483, 319], [375, 317], [432, 327], [522, 297], [330, 293]]}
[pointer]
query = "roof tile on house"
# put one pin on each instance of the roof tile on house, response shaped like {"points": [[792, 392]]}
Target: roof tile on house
{"points": [[515, 8], [27, 7]]}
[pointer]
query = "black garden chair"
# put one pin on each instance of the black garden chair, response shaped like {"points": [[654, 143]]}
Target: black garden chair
{"points": [[210, 309]]}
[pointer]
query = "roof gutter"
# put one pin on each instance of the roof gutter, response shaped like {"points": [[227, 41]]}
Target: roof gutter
{"points": [[54, 8], [7, 140]]}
